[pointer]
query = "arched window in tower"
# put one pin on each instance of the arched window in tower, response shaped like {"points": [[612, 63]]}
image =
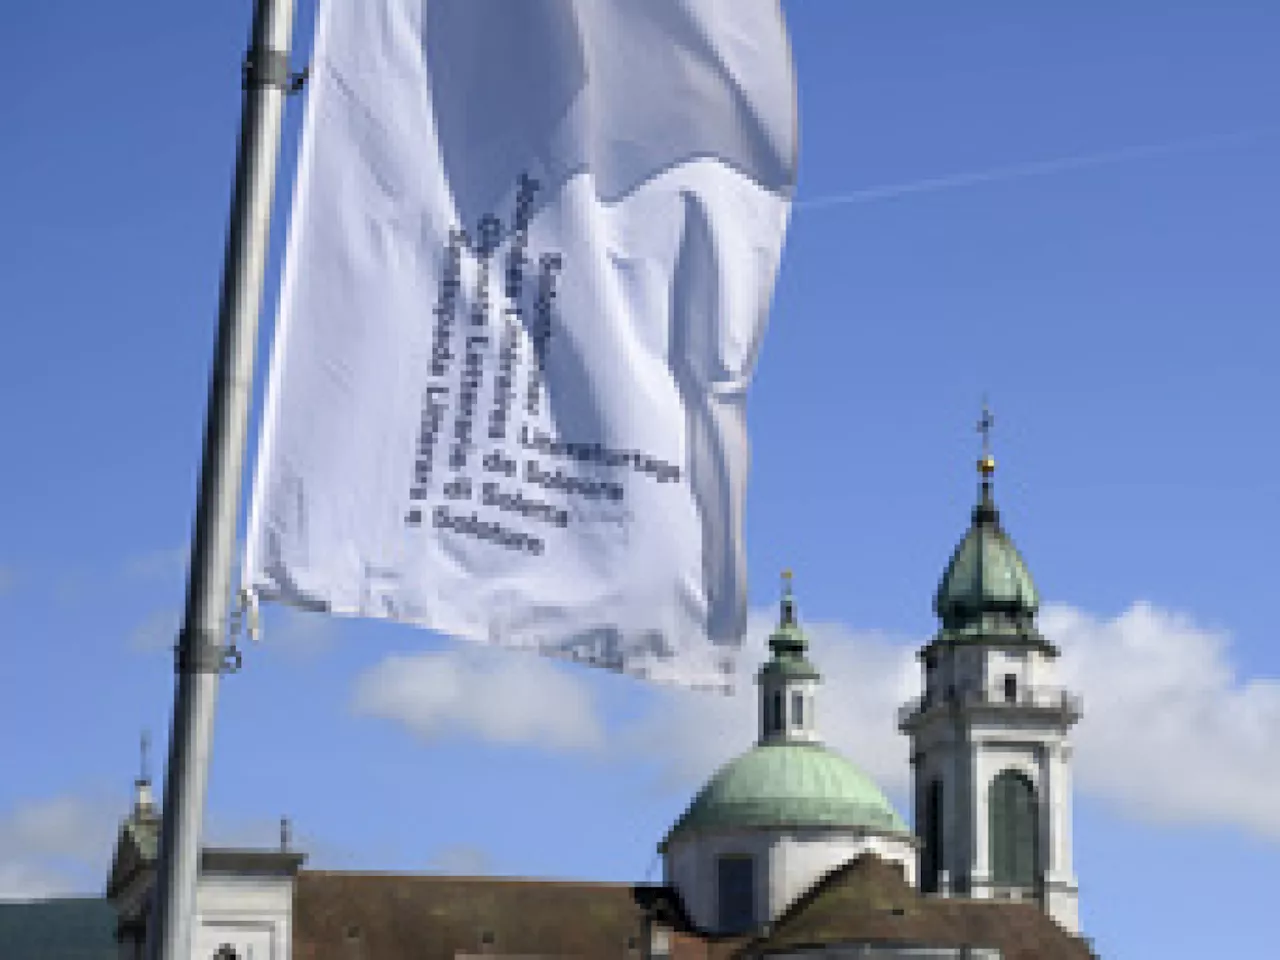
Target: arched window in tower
{"points": [[931, 815], [226, 952], [797, 709], [1015, 830]]}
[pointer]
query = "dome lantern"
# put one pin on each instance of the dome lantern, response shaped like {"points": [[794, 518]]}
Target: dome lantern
{"points": [[787, 679]]}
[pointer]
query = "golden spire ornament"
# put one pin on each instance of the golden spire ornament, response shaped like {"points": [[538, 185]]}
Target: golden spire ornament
{"points": [[986, 465]]}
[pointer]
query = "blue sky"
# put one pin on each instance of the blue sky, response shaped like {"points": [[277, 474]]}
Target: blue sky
{"points": [[1072, 208]]}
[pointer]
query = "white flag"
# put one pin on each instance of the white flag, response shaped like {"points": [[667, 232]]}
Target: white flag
{"points": [[531, 255]]}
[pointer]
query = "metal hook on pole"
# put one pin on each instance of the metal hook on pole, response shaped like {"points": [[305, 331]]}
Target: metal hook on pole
{"points": [[264, 67]]}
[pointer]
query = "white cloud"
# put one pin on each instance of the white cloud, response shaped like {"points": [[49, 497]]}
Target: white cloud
{"points": [[866, 676], [62, 827], [499, 696], [25, 881], [158, 632], [1171, 732], [55, 847], [298, 633]]}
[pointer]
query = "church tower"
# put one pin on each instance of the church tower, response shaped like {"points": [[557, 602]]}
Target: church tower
{"points": [[990, 757]]}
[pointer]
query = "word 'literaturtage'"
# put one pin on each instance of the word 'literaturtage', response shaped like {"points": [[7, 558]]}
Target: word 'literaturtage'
{"points": [[486, 386]]}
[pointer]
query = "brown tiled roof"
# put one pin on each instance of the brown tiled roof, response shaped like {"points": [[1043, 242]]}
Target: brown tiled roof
{"points": [[352, 916], [869, 901]]}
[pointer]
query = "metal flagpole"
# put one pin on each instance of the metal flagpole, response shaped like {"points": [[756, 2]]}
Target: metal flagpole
{"points": [[201, 654]]}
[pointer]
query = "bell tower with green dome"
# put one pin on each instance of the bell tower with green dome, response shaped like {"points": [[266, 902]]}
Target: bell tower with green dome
{"points": [[990, 756]]}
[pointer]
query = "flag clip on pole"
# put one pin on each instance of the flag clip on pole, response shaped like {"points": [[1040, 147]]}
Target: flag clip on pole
{"points": [[201, 655]]}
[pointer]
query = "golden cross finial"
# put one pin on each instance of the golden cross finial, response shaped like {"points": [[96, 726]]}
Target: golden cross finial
{"points": [[987, 465]]}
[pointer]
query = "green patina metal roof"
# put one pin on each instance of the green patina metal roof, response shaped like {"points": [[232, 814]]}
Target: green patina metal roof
{"points": [[138, 844], [789, 785], [790, 648], [987, 586], [65, 929]]}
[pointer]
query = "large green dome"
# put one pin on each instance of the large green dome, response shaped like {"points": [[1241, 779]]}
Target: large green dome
{"points": [[986, 576], [790, 785]]}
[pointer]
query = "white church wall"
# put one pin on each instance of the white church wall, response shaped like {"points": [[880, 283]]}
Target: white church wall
{"points": [[1058, 797], [1033, 670], [800, 859], [874, 951], [787, 864], [1001, 663], [249, 941], [1042, 669], [1061, 892], [795, 727], [1063, 904], [252, 914], [690, 866]]}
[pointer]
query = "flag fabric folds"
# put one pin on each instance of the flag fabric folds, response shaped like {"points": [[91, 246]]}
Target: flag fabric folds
{"points": [[530, 260]]}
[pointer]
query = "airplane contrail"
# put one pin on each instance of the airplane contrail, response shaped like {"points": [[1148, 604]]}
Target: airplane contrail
{"points": [[1035, 168]]}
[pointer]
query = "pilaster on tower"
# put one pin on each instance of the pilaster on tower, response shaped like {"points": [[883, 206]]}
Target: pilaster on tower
{"points": [[989, 735]]}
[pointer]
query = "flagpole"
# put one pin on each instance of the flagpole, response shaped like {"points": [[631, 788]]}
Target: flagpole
{"points": [[201, 653]]}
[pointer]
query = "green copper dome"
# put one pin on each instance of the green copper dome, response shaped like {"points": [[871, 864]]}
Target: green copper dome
{"points": [[987, 594], [987, 579], [790, 785]]}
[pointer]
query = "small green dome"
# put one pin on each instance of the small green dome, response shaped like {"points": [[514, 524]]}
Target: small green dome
{"points": [[986, 576], [790, 785], [788, 643]]}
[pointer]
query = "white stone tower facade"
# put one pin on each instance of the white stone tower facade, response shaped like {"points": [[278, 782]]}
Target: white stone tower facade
{"points": [[990, 756]]}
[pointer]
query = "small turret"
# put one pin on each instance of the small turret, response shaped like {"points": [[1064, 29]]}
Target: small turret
{"points": [[787, 680], [144, 804]]}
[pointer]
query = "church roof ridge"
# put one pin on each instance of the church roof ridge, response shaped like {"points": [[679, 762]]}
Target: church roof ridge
{"points": [[431, 877]]}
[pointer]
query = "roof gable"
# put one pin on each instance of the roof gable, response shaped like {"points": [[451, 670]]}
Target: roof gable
{"points": [[870, 901]]}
